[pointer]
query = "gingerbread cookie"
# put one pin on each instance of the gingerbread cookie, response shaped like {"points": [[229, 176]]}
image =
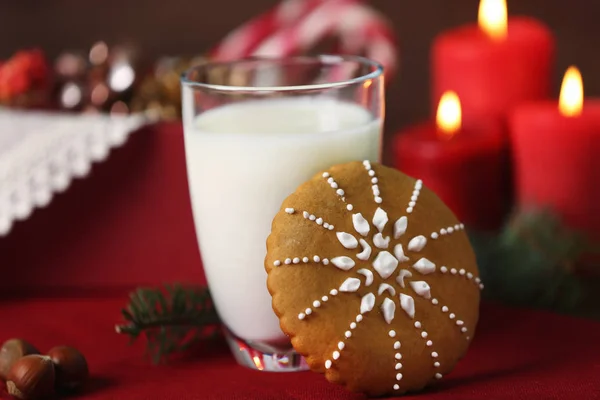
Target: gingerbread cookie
{"points": [[373, 279]]}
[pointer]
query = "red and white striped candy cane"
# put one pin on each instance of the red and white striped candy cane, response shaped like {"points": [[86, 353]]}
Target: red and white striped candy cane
{"points": [[359, 28], [242, 41]]}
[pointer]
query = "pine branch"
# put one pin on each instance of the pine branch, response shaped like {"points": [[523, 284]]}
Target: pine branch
{"points": [[531, 262], [172, 318]]}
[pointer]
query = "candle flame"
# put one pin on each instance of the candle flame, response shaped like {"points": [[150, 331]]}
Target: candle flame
{"points": [[570, 103], [493, 18], [449, 114]]}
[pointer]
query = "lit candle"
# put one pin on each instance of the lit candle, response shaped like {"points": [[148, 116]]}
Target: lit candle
{"points": [[556, 153], [493, 65], [467, 168]]}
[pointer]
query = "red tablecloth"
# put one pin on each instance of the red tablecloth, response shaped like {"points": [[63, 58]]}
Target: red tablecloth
{"points": [[130, 224], [516, 355]]}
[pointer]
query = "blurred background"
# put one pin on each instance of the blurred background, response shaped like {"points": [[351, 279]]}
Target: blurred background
{"points": [[189, 27], [106, 56]]}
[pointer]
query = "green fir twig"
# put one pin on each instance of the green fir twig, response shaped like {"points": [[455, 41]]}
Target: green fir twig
{"points": [[172, 318], [531, 262]]}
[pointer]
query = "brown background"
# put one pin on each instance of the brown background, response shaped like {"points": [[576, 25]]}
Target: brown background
{"points": [[176, 27]]}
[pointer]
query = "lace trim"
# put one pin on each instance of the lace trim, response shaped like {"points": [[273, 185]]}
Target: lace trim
{"points": [[41, 153]]}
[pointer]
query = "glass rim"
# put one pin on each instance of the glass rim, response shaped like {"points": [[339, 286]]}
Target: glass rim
{"points": [[377, 72]]}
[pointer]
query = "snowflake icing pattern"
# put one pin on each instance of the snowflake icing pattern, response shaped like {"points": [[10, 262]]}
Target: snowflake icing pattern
{"points": [[386, 261]]}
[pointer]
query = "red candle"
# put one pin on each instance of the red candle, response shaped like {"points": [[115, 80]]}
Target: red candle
{"points": [[556, 150], [493, 65], [465, 167]]}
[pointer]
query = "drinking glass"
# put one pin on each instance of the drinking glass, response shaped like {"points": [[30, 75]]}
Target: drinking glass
{"points": [[255, 129]]}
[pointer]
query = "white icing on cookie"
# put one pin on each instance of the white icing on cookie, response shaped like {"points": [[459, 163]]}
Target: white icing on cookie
{"points": [[350, 285], [289, 210], [421, 288], [385, 264], [463, 273], [459, 322], [316, 220], [366, 253], [428, 343], [380, 242], [417, 243], [449, 230], [415, 196], [424, 266], [408, 305], [374, 180], [335, 355], [347, 240], [388, 308], [315, 304], [399, 253], [367, 274], [380, 219], [343, 263], [404, 273], [383, 287], [360, 224], [400, 227], [367, 303], [334, 185]]}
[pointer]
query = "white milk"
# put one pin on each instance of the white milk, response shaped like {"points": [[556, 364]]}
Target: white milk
{"points": [[243, 160]]}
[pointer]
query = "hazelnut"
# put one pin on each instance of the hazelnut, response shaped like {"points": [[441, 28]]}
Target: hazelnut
{"points": [[11, 351], [71, 368], [31, 377]]}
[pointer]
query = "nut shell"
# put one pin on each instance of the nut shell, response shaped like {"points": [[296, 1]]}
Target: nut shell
{"points": [[31, 377], [71, 368], [11, 351]]}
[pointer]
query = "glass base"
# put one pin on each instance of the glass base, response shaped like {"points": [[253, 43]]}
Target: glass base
{"points": [[263, 357]]}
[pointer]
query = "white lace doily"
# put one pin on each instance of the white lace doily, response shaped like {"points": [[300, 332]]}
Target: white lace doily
{"points": [[41, 153]]}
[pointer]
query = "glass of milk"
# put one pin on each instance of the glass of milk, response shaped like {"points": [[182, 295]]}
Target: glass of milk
{"points": [[255, 129]]}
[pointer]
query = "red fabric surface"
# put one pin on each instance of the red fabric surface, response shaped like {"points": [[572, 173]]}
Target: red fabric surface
{"points": [[130, 224], [516, 355]]}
